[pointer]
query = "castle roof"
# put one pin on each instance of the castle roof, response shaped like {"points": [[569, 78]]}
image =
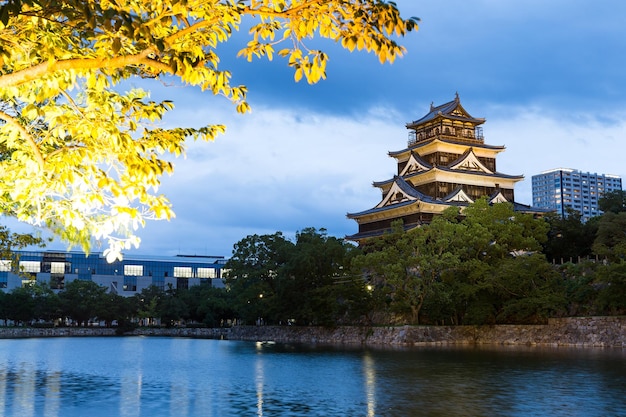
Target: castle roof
{"points": [[450, 110], [404, 195], [446, 140]]}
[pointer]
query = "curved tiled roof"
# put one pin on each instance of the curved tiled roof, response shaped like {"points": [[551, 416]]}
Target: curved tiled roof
{"points": [[482, 174], [428, 142], [381, 209], [408, 190], [446, 110], [380, 184], [495, 174], [379, 232]]}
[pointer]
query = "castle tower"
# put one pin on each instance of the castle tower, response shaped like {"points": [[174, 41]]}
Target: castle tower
{"points": [[446, 163]]}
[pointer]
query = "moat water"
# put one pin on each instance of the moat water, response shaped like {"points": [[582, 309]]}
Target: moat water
{"points": [[141, 376]]}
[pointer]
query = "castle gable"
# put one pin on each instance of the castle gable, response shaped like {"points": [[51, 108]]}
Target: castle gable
{"points": [[394, 196], [401, 192], [469, 162], [497, 198], [415, 164], [458, 195]]}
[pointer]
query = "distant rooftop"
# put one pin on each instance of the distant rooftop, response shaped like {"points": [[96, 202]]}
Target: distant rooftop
{"points": [[577, 170]]}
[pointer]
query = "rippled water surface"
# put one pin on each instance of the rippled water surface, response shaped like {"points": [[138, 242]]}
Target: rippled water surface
{"points": [[138, 376]]}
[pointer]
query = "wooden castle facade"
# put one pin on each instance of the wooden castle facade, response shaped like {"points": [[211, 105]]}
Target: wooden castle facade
{"points": [[446, 163]]}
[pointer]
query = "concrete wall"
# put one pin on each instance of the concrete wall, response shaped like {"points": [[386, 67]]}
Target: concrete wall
{"points": [[583, 331]]}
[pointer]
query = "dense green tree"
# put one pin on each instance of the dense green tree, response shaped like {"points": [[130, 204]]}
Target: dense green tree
{"points": [[458, 267], [613, 202], [569, 238], [80, 300], [279, 281], [47, 303], [310, 284], [20, 305], [580, 289], [497, 231], [148, 304], [208, 305], [31, 302], [173, 308], [113, 307], [4, 307], [405, 266], [527, 289], [611, 280], [610, 242], [493, 237], [253, 270]]}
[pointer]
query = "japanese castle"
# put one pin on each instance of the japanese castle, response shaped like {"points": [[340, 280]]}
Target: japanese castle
{"points": [[446, 163]]}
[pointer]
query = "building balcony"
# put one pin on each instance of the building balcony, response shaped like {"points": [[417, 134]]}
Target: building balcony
{"points": [[469, 137]]}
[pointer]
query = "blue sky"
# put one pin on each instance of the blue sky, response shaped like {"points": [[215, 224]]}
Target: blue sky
{"points": [[549, 78]]}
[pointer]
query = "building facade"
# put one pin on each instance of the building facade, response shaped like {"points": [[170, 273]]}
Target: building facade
{"points": [[446, 163], [126, 277], [563, 188]]}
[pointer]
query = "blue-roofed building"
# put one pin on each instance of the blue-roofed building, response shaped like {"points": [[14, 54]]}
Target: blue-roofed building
{"points": [[565, 188], [446, 163], [126, 277]]}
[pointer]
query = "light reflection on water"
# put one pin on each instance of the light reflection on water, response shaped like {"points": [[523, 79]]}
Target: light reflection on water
{"points": [[135, 376]]}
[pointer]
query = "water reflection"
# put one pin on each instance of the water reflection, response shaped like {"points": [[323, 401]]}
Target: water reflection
{"points": [[52, 396], [137, 377], [25, 388], [131, 377], [259, 376], [370, 383], [179, 378]]}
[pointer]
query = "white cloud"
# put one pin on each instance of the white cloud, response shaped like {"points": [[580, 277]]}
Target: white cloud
{"points": [[541, 139], [276, 170], [285, 168]]}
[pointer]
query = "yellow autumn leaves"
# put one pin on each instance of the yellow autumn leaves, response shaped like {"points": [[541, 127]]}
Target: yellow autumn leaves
{"points": [[84, 158]]}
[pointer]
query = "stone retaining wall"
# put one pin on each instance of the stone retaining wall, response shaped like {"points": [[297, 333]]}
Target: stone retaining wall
{"points": [[585, 331], [582, 331], [23, 332]]}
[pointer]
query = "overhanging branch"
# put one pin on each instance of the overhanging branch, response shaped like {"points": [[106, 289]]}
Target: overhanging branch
{"points": [[18, 78], [29, 138]]}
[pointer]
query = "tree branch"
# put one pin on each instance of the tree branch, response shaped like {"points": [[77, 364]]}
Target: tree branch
{"points": [[23, 76], [29, 138], [285, 13]]}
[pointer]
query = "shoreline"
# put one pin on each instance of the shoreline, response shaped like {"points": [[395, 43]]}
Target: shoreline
{"points": [[572, 332]]}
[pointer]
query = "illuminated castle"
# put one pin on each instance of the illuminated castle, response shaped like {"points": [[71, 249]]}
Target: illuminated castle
{"points": [[446, 163]]}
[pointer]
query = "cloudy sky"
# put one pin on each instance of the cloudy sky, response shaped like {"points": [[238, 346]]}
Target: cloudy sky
{"points": [[549, 78]]}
